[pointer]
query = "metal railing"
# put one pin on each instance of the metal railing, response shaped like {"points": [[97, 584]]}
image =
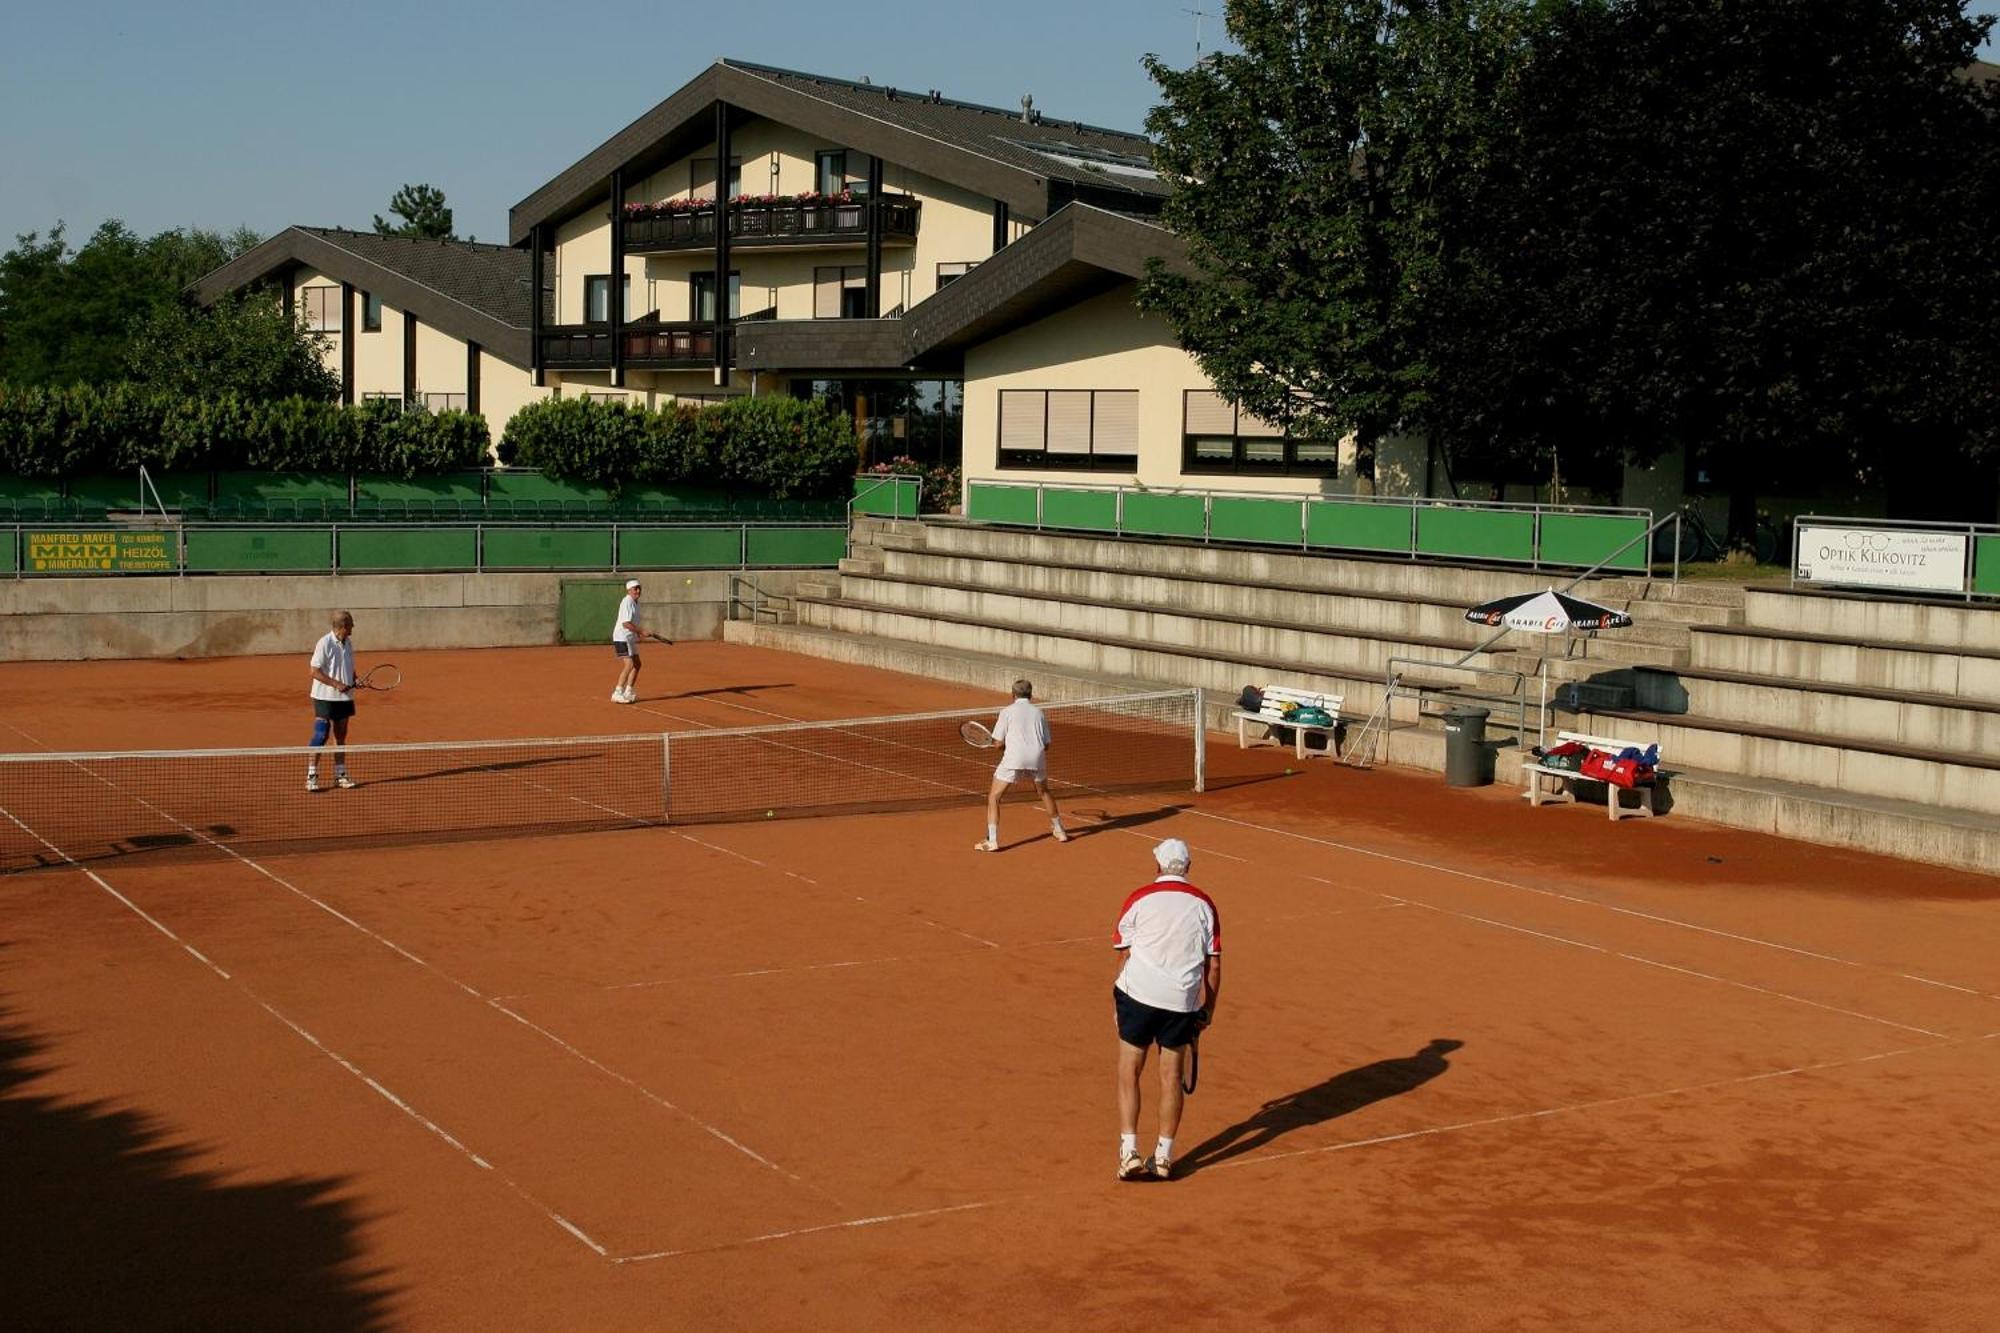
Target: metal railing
{"points": [[1397, 683], [868, 486], [1881, 564], [779, 222]]}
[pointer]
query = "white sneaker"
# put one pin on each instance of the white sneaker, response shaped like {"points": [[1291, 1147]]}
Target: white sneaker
{"points": [[345, 783], [312, 782], [618, 696]]}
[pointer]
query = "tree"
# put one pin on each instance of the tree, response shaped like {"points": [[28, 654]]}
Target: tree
{"points": [[245, 345], [423, 211], [66, 315], [1314, 170]]}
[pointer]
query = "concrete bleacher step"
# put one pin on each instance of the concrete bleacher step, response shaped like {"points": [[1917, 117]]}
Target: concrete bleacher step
{"points": [[1940, 722], [1972, 673], [1916, 623]]}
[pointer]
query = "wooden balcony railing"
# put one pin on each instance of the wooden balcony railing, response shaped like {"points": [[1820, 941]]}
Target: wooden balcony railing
{"points": [[774, 224], [650, 344]]}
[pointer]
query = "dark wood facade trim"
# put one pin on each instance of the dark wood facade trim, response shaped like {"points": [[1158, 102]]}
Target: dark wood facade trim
{"points": [[347, 342], [537, 262], [615, 302], [872, 302], [472, 378], [722, 311], [999, 225], [409, 358]]}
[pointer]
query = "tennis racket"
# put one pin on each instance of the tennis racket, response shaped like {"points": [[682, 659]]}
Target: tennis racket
{"points": [[659, 638], [1191, 1075], [975, 735], [387, 676]]}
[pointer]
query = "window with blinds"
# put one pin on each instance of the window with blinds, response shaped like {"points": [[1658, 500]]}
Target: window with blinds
{"points": [[840, 292], [444, 402], [1217, 438], [1070, 429], [322, 307]]}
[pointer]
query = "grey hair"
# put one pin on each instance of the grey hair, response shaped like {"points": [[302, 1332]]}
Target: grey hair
{"points": [[1023, 689], [1174, 868], [341, 617]]}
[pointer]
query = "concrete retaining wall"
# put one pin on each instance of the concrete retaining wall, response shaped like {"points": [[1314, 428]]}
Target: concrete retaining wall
{"points": [[1927, 624], [79, 619]]}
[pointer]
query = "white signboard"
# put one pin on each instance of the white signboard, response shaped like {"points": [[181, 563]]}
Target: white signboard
{"points": [[1904, 559]]}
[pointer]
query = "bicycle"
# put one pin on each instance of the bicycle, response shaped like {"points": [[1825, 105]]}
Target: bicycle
{"points": [[1698, 541]]}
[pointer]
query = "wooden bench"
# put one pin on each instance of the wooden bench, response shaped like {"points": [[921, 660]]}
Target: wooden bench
{"points": [[1611, 745], [1272, 715]]}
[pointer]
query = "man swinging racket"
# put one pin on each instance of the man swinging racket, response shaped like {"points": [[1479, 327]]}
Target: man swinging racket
{"points": [[1024, 730], [625, 635]]}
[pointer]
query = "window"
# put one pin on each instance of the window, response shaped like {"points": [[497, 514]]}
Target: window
{"points": [[1070, 429], [382, 398], [371, 313], [1218, 438], [597, 298], [950, 273], [444, 402], [588, 396], [323, 308], [838, 169], [701, 296], [701, 177], [840, 292]]}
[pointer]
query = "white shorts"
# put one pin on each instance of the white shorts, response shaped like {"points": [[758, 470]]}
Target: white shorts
{"points": [[1039, 773]]}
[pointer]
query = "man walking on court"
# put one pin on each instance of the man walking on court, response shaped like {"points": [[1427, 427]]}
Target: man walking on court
{"points": [[1024, 730], [1171, 936], [333, 698]]}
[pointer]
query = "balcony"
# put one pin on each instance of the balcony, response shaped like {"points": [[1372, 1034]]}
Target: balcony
{"points": [[650, 344], [787, 222]]}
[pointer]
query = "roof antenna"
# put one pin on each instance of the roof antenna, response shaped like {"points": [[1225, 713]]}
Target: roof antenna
{"points": [[1027, 108], [866, 81], [1199, 15]]}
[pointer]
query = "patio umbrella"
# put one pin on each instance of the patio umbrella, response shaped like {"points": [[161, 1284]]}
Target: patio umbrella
{"points": [[1548, 612]]}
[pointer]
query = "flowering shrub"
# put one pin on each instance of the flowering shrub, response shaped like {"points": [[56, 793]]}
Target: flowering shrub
{"points": [[941, 483], [704, 204]]}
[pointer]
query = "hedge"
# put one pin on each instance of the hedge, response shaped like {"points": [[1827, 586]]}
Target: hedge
{"points": [[770, 445], [66, 432]]}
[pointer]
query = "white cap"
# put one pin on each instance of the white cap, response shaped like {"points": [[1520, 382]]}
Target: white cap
{"points": [[631, 584], [1171, 851]]}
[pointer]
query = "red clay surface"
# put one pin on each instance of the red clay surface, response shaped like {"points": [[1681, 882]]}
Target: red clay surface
{"points": [[1476, 1066]]}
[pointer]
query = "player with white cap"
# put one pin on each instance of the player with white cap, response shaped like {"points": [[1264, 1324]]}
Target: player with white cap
{"points": [[1171, 937], [625, 636]]}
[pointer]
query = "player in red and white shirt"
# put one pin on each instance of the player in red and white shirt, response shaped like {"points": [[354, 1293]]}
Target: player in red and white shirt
{"points": [[1171, 937]]}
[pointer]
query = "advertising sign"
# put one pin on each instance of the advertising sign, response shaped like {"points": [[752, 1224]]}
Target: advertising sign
{"points": [[112, 551], [1899, 559]]}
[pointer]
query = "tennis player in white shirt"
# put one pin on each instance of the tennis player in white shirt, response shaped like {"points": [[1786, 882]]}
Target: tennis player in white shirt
{"points": [[625, 635], [332, 698], [1024, 730]]}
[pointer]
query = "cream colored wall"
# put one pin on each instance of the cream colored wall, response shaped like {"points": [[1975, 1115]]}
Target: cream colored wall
{"points": [[440, 363], [378, 357], [302, 279], [504, 389], [1106, 343], [648, 388], [583, 247]]}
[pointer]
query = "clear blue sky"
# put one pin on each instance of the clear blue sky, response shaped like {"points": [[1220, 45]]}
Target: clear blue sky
{"points": [[208, 113]]}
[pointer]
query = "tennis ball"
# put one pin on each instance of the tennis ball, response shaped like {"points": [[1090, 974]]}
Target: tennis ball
{"points": [[770, 814], [689, 582], [1288, 772]]}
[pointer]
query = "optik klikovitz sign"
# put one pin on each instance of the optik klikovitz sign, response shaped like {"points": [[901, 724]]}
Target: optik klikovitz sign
{"points": [[1904, 559]]}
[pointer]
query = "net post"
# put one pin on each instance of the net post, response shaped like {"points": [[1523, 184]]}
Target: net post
{"points": [[666, 777], [1200, 740]]}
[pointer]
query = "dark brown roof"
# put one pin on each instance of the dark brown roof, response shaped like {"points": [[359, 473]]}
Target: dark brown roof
{"points": [[1982, 71], [475, 292], [1034, 165]]}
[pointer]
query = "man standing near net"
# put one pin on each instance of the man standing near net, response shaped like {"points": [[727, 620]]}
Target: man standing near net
{"points": [[1024, 730], [333, 698], [1171, 936]]}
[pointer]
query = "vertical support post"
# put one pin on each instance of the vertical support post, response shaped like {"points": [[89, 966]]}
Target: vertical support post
{"points": [[999, 225], [873, 299], [614, 547], [287, 294], [722, 330], [666, 778], [333, 545], [616, 300], [1200, 739], [409, 358], [537, 280], [1535, 541], [347, 343], [479, 548], [1413, 529], [1118, 510], [743, 546], [472, 382]]}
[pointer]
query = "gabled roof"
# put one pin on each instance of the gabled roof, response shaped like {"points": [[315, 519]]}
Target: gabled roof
{"points": [[1034, 164], [475, 292]]}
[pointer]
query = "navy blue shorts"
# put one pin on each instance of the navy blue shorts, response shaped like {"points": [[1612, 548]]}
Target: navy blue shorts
{"points": [[1141, 1025], [333, 710]]}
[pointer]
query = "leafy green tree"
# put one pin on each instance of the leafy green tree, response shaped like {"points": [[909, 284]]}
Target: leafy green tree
{"points": [[1315, 167], [244, 345], [423, 213]]}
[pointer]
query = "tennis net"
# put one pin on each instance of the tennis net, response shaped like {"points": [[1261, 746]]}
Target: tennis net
{"points": [[88, 806]]}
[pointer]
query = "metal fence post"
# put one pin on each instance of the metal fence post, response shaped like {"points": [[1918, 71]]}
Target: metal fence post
{"points": [[1200, 739], [614, 548], [743, 546], [1535, 540], [479, 548], [334, 533], [1118, 510]]}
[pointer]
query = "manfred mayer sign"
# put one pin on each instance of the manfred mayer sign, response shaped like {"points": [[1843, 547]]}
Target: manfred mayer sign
{"points": [[114, 551], [1903, 559]]}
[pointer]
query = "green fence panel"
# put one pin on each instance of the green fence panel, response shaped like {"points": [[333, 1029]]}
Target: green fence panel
{"points": [[1096, 511], [1234, 518], [547, 548], [687, 547], [1587, 539], [1986, 564], [408, 548], [1477, 534], [1000, 504], [249, 486], [586, 608], [13, 486], [1355, 525], [10, 550], [120, 490], [459, 488], [260, 550], [888, 497], [1150, 515], [816, 547], [511, 485]]}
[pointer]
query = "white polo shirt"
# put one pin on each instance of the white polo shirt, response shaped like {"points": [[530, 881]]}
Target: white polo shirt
{"points": [[333, 658], [1024, 730], [628, 612], [1168, 929]]}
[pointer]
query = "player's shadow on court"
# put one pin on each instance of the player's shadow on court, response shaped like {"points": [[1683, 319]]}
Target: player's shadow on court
{"points": [[719, 689], [1343, 1094], [1103, 821]]}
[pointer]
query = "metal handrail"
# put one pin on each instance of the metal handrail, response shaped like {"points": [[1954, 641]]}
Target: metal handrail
{"points": [[879, 480], [1399, 501]]}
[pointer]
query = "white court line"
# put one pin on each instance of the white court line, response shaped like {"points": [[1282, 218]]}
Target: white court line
{"points": [[849, 1225]]}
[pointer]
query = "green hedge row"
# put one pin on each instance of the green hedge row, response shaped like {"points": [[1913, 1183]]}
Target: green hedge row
{"points": [[68, 432], [774, 446]]}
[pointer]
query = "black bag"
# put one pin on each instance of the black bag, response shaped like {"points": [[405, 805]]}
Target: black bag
{"points": [[1251, 700]]}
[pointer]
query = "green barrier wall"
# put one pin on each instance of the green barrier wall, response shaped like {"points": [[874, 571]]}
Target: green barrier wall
{"points": [[1355, 526], [796, 546], [1586, 539], [1096, 511], [586, 608], [1986, 564], [535, 486], [408, 548], [14, 487], [1233, 518], [260, 550], [679, 548], [325, 486], [120, 490], [1481, 534], [1148, 515], [10, 550], [886, 498], [1000, 504], [462, 488], [548, 548]]}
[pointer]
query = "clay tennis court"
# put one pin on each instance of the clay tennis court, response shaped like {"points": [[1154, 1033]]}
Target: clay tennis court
{"points": [[1474, 1066]]}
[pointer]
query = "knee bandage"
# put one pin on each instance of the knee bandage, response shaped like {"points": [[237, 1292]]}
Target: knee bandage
{"points": [[320, 727]]}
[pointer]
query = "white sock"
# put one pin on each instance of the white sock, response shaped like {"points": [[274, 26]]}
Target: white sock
{"points": [[1163, 1151], [1056, 824], [1128, 1145], [993, 833]]}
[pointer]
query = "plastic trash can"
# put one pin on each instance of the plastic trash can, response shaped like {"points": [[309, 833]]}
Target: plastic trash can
{"points": [[1467, 762]]}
